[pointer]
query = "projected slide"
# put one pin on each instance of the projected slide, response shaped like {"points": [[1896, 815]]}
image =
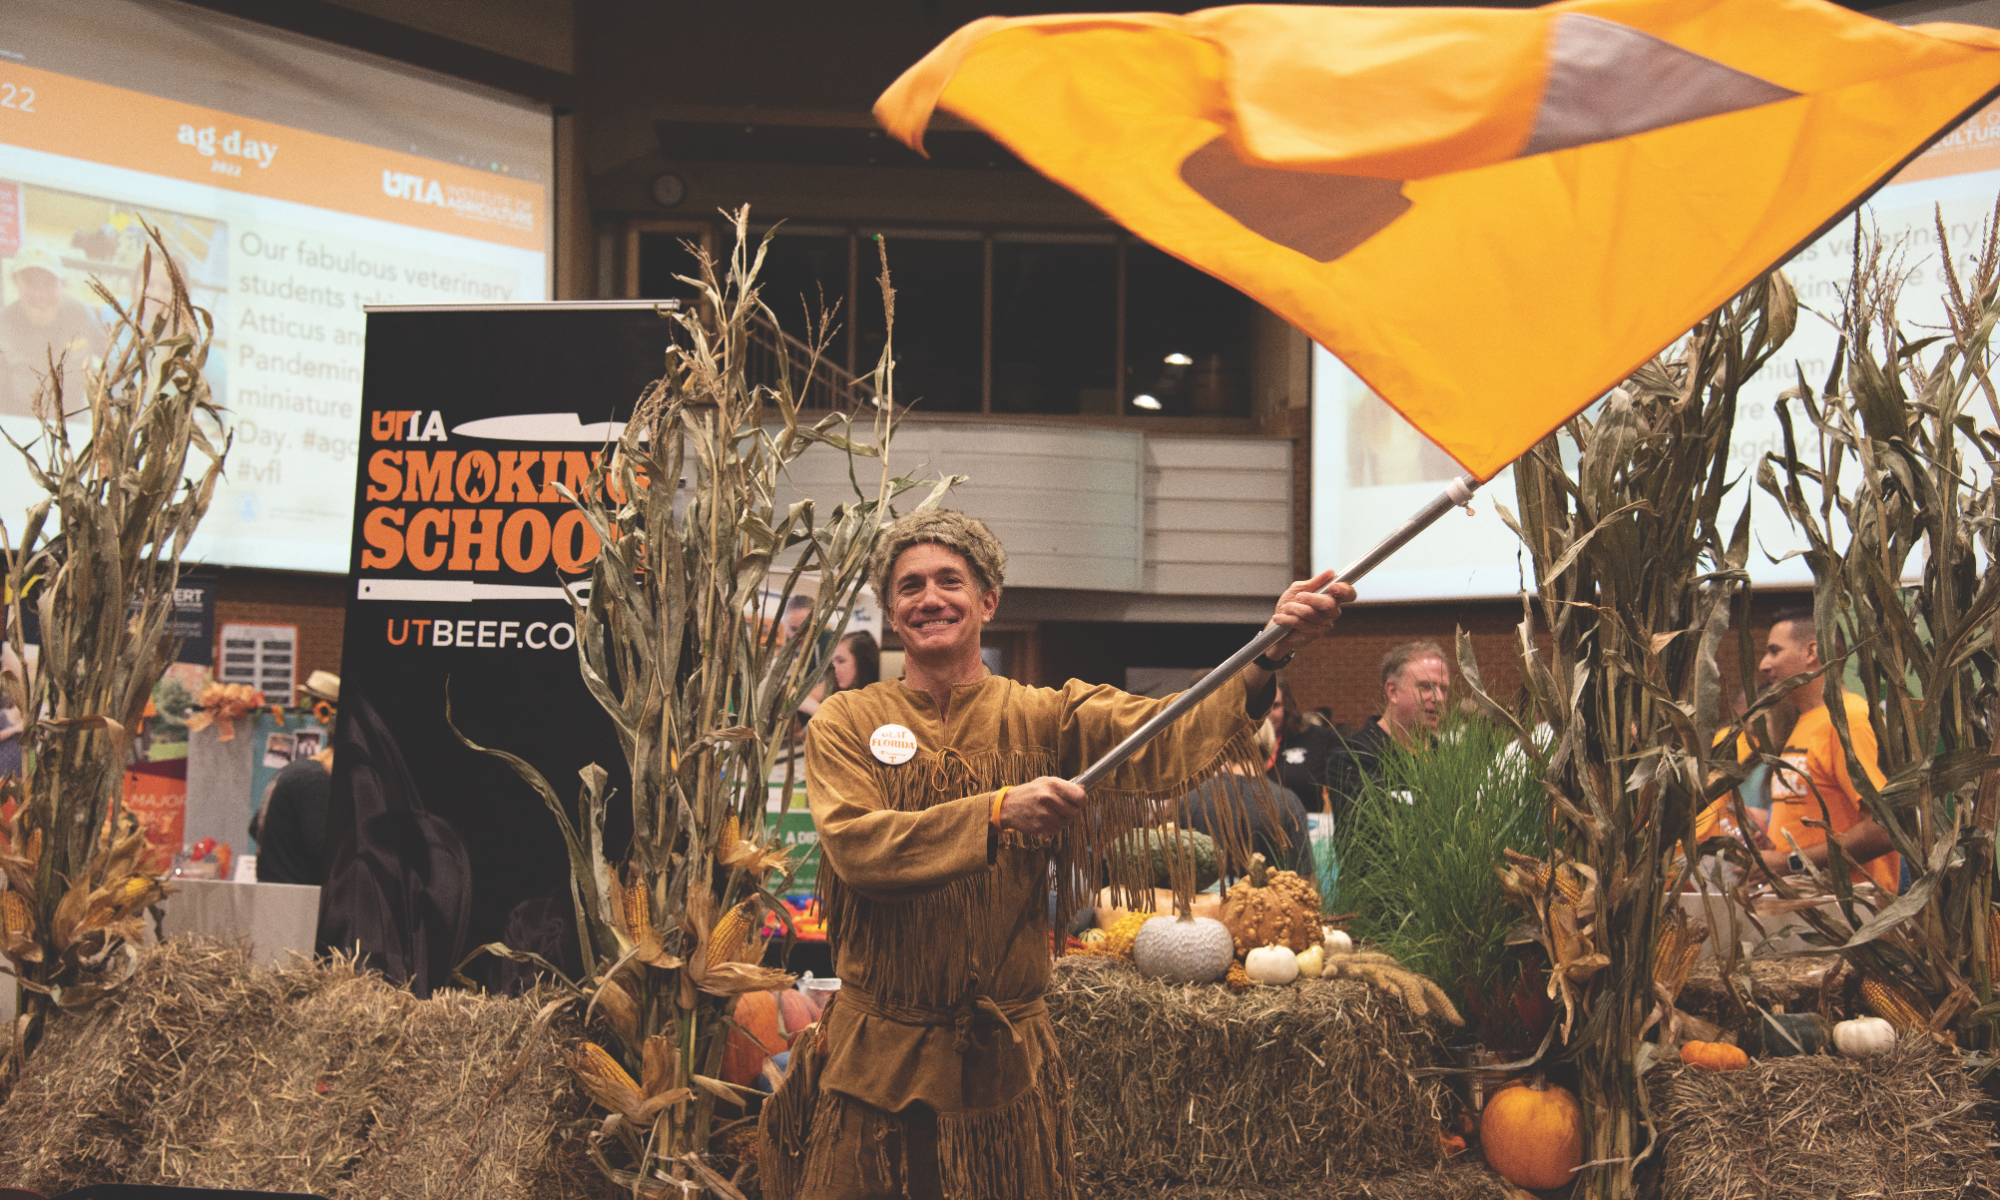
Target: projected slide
{"points": [[283, 234], [1371, 469]]}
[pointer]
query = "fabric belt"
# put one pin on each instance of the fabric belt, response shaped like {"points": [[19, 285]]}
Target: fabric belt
{"points": [[976, 1007]]}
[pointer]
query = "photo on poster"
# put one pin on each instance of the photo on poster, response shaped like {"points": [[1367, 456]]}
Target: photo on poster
{"points": [[306, 743], [280, 748]]}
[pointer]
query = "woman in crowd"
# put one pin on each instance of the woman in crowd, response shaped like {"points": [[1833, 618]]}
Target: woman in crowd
{"points": [[1304, 749], [856, 663]]}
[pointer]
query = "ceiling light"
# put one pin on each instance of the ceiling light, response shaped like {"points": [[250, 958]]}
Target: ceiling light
{"points": [[1177, 359], [1146, 402]]}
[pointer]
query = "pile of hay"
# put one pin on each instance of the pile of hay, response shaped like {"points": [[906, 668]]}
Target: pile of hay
{"points": [[209, 1072], [1775, 984], [1308, 1085], [1905, 1124]]}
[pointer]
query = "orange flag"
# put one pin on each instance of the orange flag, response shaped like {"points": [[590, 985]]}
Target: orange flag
{"points": [[1491, 216]]}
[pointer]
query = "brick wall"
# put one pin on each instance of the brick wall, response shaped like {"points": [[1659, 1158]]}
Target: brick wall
{"points": [[1343, 672], [314, 603]]}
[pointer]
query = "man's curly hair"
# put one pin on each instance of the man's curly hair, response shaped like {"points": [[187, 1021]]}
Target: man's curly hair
{"points": [[966, 536]]}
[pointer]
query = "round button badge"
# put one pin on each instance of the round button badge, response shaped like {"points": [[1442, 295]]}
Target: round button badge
{"points": [[893, 744]]}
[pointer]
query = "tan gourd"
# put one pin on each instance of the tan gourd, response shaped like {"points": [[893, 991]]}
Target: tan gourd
{"points": [[1533, 1134], [1272, 908]]}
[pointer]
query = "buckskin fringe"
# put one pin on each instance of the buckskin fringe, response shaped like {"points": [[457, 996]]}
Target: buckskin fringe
{"points": [[787, 1122], [1021, 1150]]}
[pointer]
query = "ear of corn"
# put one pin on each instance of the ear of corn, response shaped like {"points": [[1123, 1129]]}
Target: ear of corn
{"points": [[638, 912], [726, 942], [1993, 943], [596, 1062], [17, 920], [1894, 1002]]}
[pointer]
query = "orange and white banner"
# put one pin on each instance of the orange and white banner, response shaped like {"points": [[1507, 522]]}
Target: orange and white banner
{"points": [[76, 118]]}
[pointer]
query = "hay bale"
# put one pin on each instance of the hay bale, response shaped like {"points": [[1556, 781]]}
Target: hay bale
{"points": [[1274, 1087], [1458, 1181], [210, 1072], [1776, 984], [1810, 1127]]}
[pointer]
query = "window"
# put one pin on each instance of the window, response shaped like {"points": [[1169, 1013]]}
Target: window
{"points": [[1055, 325], [1006, 321], [1187, 338]]}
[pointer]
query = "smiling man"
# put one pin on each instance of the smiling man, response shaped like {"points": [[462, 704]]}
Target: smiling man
{"points": [[942, 801]]}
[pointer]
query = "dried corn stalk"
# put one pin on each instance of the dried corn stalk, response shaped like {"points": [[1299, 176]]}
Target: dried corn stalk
{"points": [[129, 469], [703, 693], [1890, 477], [1635, 579]]}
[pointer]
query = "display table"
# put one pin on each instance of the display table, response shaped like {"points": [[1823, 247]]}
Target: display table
{"points": [[275, 919]]}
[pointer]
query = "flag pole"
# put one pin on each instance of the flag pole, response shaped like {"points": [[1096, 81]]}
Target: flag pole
{"points": [[1458, 493]]}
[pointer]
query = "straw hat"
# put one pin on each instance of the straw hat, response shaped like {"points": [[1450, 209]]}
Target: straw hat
{"points": [[322, 685], [37, 258]]}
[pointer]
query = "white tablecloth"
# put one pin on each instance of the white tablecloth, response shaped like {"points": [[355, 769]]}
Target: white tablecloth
{"points": [[276, 919]]}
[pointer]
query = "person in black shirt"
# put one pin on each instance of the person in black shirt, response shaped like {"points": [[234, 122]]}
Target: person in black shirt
{"points": [[1261, 817], [1305, 749], [291, 827], [1415, 685]]}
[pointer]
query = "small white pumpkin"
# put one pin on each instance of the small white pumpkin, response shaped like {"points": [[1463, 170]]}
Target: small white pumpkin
{"points": [[1312, 962], [1864, 1037], [1271, 964], [1184, 949], [1337, 941]]}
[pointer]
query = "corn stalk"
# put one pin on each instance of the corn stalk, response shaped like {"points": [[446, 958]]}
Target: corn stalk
{"points": [[1635, 581], [1891, 481], [98, 559], [702, 690]]}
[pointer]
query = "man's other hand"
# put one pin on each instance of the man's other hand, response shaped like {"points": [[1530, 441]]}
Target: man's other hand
{"points": [[1306, 613], [1041, 806]]}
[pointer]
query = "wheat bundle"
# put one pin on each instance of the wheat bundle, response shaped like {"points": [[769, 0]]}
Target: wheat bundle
{"points": [[1276, 1087], [209, 1072], [1813, 1126]]}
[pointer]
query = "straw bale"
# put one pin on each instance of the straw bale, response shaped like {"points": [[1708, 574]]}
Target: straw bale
{"points": [[1814, 1126], [1277, 1086], [1788, 984], [209, 1072], [1464, 1180]]}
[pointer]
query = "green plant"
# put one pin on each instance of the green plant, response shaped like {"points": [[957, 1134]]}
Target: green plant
{"points": [[703, 691], [1418, 855], [98, 560]]}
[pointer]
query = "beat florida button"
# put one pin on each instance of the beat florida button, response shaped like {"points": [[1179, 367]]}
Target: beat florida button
{"points": [[893, 744]]}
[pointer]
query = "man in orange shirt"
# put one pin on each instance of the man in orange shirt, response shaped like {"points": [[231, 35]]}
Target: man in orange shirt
{"points": [[1815, 770]]}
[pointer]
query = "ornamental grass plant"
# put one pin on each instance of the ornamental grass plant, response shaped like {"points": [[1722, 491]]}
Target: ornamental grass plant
{"points": [[1420, 853]]}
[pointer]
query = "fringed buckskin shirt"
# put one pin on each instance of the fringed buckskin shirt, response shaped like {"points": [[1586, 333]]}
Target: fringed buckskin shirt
{"points": [[941, 927]]}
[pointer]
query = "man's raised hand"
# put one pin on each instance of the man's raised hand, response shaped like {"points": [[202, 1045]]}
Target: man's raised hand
{"points": [[1306, 613]]}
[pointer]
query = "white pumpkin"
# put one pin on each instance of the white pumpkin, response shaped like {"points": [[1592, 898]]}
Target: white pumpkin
{"points": [[1184, 949], [1312, 962], [1337, 941], [1271, 964], [1864, 1037]]}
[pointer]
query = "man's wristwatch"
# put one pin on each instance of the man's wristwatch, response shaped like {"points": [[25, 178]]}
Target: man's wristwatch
{"points": [[1275, 665], [1795, 863]]}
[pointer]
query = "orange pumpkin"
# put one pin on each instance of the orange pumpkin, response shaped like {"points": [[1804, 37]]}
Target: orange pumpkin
{"points": [[773, 1021], [1714, 1056], [1533, 1135]]}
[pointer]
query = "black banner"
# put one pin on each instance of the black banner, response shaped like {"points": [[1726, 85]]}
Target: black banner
{"points": [[470, 417]]}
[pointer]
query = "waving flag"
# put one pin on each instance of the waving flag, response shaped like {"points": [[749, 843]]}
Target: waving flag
{"points": [[1491, 216]]}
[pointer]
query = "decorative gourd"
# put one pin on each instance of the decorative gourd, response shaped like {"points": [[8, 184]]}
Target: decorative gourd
{"points": [[1714, 1056], [1183, 949], [1158, 846], [1094, 938], [1336, 941], [1271, 964], [1206, 904], [1118, 939], [1312, 962], [1864, 1037], [1272, 908], [770, 1022], [1533, 1134]]}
